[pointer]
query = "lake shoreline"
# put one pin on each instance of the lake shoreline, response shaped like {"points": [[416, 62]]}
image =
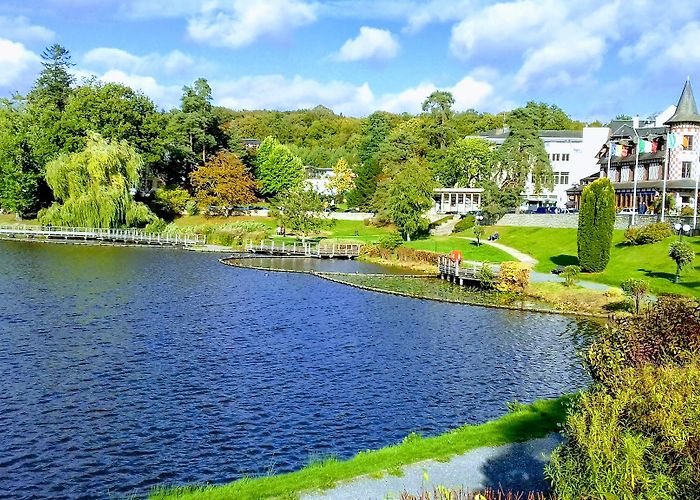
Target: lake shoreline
{"points": [[521, 423], [336, 278]]}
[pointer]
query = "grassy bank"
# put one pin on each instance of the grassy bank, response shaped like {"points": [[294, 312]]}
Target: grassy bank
{"points": [[557, 247], [538, 296], [526, 422], [470, 250]]}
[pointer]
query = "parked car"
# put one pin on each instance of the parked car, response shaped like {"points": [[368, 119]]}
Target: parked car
{"points": [[627, 211]]}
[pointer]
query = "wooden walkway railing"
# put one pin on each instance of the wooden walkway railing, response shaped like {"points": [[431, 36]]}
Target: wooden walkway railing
{"points": [[459, 272], [318, 250], [134, 236]]}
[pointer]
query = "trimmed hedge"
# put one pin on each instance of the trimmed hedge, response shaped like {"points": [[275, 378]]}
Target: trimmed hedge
{"points": [[595, 225], [464, 224]]}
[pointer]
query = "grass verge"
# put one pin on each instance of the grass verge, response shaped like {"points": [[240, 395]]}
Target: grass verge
{"points": [[525, 422], [557, 247]]}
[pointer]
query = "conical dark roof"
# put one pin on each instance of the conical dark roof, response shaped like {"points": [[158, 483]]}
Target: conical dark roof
{"points": [[686, 110]]}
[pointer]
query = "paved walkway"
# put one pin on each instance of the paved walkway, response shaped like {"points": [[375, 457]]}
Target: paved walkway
{"points": [[537, 277], [517, 466], [522, 257]]}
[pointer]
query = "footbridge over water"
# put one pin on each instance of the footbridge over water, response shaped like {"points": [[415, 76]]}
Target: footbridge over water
{"points": [[122, 236], [304, 249], [461, 272]]}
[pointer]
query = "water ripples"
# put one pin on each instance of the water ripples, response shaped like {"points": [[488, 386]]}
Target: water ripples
{"points": [[123, 369]]}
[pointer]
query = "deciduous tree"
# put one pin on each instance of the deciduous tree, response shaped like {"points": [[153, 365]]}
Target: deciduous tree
{"points": [[277, 168], [468, 162], [300, 209], [341, 180], [93, 187], [223, 181]]}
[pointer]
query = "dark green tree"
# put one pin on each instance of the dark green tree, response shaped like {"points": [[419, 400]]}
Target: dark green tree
{"points": [[469, 161], [409, 197], [595, 225], [20, 176], [375, 130], [438, 106], [523, 155]]}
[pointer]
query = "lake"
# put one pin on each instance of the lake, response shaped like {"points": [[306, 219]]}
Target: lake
{"points": [[126, 368]]}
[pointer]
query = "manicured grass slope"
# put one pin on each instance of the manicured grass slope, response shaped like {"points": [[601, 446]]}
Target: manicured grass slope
{"points": [[553, 247], [528, 422], [12, 219], [469, 249]]}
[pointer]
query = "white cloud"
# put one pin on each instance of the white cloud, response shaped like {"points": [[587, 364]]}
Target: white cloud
{"points": [[561, 65], [237, 23], [16, 62], [172, 63], [19, 28], [667, 49], [278, 92], [165, 96], [371, 43]]}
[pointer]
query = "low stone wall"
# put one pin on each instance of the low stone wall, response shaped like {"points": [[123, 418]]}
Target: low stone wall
{"points": [[571, 220]]}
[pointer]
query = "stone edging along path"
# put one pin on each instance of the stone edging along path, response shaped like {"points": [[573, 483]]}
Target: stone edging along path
{"points": [[333, 277]]}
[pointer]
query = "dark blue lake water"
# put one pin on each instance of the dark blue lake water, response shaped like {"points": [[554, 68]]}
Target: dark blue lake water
{"points": [[126, 368]]}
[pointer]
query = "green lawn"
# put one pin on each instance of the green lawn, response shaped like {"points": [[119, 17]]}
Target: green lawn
{"points": [[554, 247], [527, 422], [469, 249], [12, 219]]}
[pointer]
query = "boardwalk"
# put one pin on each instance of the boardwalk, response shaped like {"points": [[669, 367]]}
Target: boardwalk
{"points": [[299, 249], [460, 272], [128, 236]]}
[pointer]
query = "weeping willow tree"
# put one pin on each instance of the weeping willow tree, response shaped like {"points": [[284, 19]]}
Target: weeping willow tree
{"points": [[92, 187]]}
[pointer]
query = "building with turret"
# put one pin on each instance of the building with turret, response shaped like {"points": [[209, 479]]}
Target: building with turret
{"points": [[653, 160]]}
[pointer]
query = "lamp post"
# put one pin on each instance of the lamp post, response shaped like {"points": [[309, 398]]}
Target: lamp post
{"points": [[685, 228]]}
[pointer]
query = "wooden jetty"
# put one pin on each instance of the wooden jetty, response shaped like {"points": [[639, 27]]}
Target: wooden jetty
{"points": [[459, 272], [125, 236], [303, 249]]}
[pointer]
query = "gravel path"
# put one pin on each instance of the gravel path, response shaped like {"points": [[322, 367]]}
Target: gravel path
{"points": [[517, 466]]}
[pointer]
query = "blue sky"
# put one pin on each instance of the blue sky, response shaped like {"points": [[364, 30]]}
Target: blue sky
{"points": [[595, 59]]}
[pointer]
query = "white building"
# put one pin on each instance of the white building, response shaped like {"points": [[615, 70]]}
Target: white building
{"points": [[317, 178], [573, 156]]}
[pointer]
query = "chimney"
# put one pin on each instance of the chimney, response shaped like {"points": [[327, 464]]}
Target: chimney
{"points": [[635, 121]]}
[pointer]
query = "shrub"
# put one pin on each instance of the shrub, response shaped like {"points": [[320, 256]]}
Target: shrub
{"points": [[638, 443], [636, 433], [682, 254], [413, 255], [636, 290], [570, 275], [464, 224], [512, 277], [157, 226], [651, 233], [169, 203], [687, 212], [667, 333], [595, 225], [486, 276], [191, 207], [391, 241]]}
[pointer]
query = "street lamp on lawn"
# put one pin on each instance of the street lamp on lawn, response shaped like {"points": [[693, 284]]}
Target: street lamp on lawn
{"points": [[685, 229]]}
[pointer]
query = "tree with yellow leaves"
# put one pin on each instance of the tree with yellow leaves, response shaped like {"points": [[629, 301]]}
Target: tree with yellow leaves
{"points": [[223, 182], [342, 179]]}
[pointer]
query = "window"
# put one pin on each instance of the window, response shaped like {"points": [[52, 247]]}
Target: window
{"points": [[688, 142], [561, 178], [685, 170], [565, 157]]}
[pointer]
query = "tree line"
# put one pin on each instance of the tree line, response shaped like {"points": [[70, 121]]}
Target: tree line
{"points": [[388, 163]]}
